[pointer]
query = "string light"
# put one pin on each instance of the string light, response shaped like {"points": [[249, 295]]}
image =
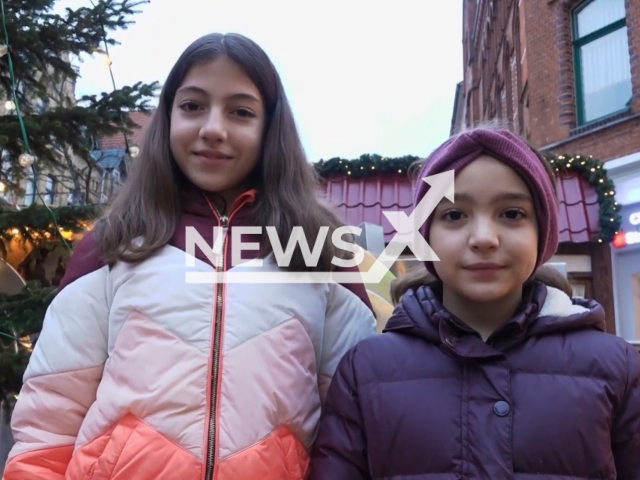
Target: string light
{"points": [[2, 187], [106, 60], [3, 50], [9, 106], [26, 159]]}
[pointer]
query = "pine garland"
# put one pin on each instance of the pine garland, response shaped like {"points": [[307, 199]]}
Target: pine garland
{"points": [[590, 168], [367, 164]]}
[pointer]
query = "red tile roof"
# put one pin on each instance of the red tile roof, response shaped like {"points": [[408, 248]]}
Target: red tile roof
{"points": [[363, 199], [117, 141], [579, 209]]}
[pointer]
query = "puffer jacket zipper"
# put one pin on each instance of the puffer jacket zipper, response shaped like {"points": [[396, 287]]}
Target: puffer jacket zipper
{"points": [[216, 351], [223, 221]]}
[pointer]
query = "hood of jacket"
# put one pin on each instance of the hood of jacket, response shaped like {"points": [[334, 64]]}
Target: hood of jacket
{"points": [[543, 310]]}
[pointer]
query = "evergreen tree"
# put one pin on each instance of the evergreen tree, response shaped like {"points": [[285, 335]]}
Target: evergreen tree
{"points": [[38, 49], [60, 128]]}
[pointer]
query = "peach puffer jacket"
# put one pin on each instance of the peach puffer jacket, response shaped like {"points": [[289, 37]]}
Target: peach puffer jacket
{"points": [[139, 375]]}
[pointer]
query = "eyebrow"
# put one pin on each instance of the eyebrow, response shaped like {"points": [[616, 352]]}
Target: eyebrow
{"points": [[505, 196], [201, 91]]}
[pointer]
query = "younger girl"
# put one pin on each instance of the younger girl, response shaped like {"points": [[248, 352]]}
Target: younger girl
{"points": [[487, 372], [141, 374]]}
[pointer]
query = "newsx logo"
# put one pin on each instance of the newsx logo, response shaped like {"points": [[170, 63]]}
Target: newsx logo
{"points": [[407, 236]]}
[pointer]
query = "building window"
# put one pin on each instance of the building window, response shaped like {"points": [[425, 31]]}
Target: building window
{"points": [[30, 190], [601, 52], [50, 189]]}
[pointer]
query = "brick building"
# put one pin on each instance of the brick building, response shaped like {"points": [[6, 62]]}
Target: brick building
{"points": [[565, 74]]}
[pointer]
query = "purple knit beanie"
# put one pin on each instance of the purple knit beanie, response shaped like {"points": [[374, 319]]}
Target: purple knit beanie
{"points": [[460, 150]]}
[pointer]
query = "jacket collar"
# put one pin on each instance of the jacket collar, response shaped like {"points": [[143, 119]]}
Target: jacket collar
{"points": [[195, 201], [543, 310]]}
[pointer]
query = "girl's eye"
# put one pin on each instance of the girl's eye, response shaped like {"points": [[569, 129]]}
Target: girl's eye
{"points": [[189, 106], [514, 214], [452, 215], [243, 112]]}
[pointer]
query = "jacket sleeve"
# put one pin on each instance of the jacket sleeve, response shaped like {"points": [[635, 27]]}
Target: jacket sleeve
{"points": [[61, 380], [340, 451], [626, 427], [349, 319]]}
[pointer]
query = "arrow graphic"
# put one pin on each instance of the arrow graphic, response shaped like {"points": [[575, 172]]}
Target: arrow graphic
{"points": [[408, 227]]}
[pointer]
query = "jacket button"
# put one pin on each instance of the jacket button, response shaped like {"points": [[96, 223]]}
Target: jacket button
{"points": [[501, 408]]}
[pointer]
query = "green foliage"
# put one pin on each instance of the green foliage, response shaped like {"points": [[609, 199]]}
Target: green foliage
{"points": [[21, 317], [35, 224], [42, 45], [61, 132], [367, 164]]}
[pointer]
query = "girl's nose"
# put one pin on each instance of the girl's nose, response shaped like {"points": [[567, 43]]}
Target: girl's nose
{"points": [[484, 235], [214, 128]]}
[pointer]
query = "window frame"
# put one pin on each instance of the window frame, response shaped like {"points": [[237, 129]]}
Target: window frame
{"points": [[50, 193], [577, 44], [30, 181]]}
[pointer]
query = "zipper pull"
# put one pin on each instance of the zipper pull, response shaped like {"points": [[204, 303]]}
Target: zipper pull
{"points": [[224, 221]]}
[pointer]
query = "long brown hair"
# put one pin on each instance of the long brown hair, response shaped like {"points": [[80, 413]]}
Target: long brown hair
{"points": [[421, 276], [148, 204]]}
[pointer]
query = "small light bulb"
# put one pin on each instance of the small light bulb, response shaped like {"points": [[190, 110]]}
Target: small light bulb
{"points": [[9, 105], [134, 152], [2, 187], [3, 50], [25, 160], [106, 61]]}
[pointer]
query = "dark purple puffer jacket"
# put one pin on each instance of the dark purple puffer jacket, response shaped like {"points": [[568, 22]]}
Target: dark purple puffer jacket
{"points": [[548, 396]]}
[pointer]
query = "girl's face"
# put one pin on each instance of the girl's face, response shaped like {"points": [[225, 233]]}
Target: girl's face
{"points": [[487, 241], [217, 122]]}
